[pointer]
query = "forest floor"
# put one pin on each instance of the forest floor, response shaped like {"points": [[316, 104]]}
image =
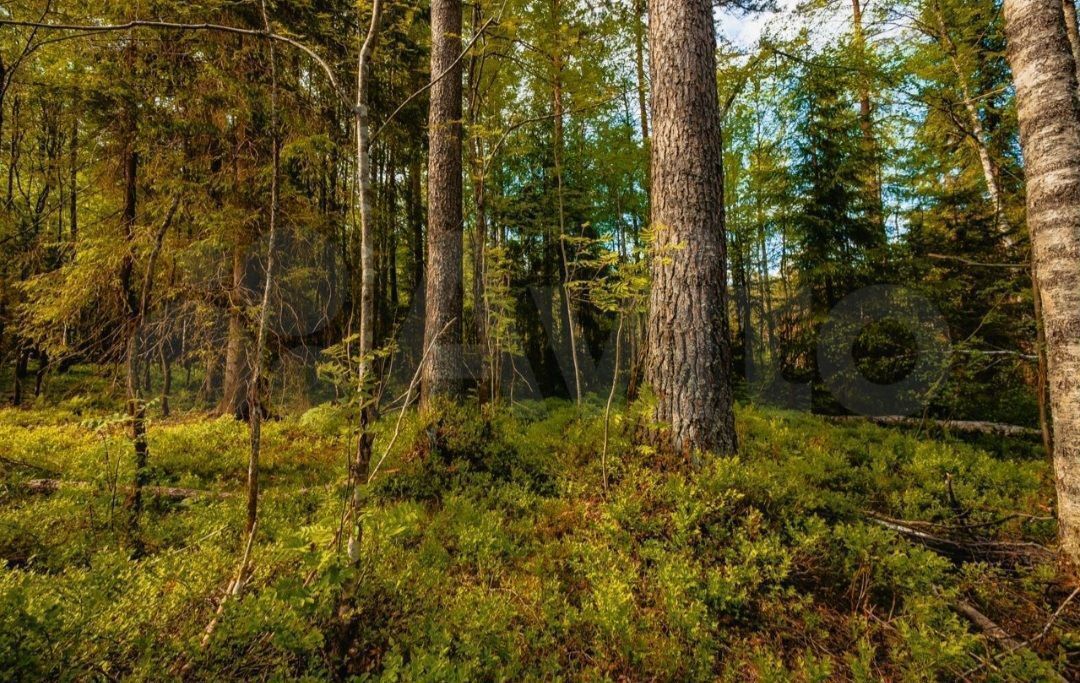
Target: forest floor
{"points": [[499, 554]]}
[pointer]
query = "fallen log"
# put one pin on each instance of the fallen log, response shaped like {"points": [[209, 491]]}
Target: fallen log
{"points": [[1008, 553], [962, 426], [47, 486]]}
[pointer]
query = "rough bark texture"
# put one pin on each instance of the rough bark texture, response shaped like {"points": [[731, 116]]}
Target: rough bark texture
{"points": [[689, 361], [1073, 31], [1049, 111], [443, 298]]}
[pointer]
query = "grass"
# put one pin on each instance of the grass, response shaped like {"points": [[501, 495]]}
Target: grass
{"points": [[498, 555]]}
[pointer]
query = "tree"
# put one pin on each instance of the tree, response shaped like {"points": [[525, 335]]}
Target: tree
{"points": [[689, 355], [1044, 73], [444, 291], [1072, 28]]}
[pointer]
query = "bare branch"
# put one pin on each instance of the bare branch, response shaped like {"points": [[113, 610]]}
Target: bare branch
{"points": [[180, 26], [435, 80]]}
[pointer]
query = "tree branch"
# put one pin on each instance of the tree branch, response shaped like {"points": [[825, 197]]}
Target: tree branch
{"points": [[180, 26]]}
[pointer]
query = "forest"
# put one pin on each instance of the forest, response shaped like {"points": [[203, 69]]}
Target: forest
{"points": [[629, 340]]}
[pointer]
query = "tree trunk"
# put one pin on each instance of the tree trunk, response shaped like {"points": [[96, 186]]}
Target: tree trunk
{"points": [[43, 368], [640, 26], [1073, 31], [872, 182], [1049, 113], [136, 405], [977, 133], [368, 412], [416, 226], [166, 380], [443, 300], [73, 180], [689, 364], [257, 387], [232, 393], [480, 230], [558, 111], [391, 242], [22, 362]]}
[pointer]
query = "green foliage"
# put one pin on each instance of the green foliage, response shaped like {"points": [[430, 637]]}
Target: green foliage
{"points": [[490, 551]]}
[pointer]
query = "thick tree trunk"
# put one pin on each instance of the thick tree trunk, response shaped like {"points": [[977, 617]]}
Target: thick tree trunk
{"points": [[689, 364], [1044, 73], [443, 300]]}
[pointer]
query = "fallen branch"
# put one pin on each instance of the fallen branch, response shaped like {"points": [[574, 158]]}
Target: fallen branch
{"points": [[26, 465], [182, 666], [964, 426], [47, 486], [985, 625], [991, 630], [1008, 553], [978, 550]]}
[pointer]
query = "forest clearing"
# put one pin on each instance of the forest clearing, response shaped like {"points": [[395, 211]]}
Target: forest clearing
{"points": [[634, 340]]}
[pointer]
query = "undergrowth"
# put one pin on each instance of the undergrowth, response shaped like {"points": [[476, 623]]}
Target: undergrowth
{"points": [[493, 552]]}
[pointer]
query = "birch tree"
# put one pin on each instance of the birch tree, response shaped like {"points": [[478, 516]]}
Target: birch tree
{"points": [[1044, 73]]}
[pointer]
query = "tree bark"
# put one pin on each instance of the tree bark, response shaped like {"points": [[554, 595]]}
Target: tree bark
{"points": [[368, 413], [480, 229], [73, 179], [443, 299], [1073, 31], [232, 393], [689, 363], [136, 406], [257, 389], [416, 225], [1044, 74]]}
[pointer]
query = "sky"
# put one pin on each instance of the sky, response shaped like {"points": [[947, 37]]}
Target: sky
{"points": [[742, 29]]}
